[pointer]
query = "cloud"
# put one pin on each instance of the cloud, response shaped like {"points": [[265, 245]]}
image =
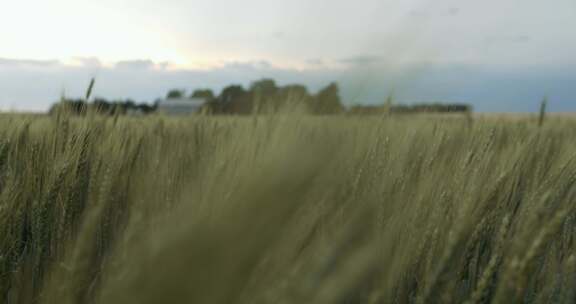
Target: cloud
{"points": [[279, 35], [315, 62], [361, 60], [515, 39], [427, 12], [92, 62], [27, 62], [165, 65], [248, 65], [418, 13], [521, 39], [454, 11], [135, 64]]}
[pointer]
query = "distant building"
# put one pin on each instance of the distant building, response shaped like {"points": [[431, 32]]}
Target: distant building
{"points": [[180, 106]]}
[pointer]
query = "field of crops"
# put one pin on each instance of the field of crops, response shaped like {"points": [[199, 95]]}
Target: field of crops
{"points": [[287, 209]]}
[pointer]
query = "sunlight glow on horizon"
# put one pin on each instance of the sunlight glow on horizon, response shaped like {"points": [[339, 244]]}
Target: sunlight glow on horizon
{"points": [[60, 31], [111, 31], [208, 34]]}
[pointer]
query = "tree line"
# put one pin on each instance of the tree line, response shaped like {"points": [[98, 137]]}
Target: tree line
{"points": [[79, 106], [262, 96], [435, 107], [266, 96]]}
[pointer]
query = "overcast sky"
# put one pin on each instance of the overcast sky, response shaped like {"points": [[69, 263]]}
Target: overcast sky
{"points": [[500, 55]]}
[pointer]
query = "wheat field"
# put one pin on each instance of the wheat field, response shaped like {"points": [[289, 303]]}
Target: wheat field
{"points": [[286, 208]]}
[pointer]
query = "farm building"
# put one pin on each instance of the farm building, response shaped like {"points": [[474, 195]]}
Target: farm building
{"points": [[180, 106]]}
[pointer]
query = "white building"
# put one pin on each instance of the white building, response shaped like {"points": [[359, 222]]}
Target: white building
{"points": [[180, 106]]}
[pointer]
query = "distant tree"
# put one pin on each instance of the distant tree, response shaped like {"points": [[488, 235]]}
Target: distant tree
{"points": [[69, 106], [328, 101], [207, 94], [294, 91], [264, 94], [434, 107], [234, 99], [231, 93], [174, 93], [293, 94], [264, 88], [368, 109], [146, 108], [100, 106], [130, 104]]}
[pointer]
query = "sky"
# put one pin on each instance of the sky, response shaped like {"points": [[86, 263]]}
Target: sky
{"points": [[499, 55]]}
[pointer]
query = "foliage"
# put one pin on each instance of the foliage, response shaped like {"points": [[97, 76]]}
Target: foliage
{"points": [[101, 106], [328, 101], [286, 209], [203, 93], [411, 109], [175, 94], [265, 96], [262, 96]]}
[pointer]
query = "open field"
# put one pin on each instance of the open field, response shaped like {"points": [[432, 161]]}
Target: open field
{"points": [[287, 209]]}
